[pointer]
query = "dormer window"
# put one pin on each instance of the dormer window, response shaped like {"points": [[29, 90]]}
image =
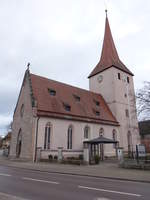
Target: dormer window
{"points": [[77, 98], [67, 107], [52, 92], [96, 112], [97, 102]]}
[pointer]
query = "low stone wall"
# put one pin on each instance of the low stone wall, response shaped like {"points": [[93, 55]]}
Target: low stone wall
{"points": [[134, 164], [44, 154]]}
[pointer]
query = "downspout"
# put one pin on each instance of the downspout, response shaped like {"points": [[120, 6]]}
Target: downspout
{"points": [[36, 138]]}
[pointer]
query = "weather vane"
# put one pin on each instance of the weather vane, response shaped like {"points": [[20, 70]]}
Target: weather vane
{"points": [[105, 2]]}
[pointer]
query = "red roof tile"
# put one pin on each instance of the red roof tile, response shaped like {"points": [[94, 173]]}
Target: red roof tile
{"points": [[109, 56], [83, 109]]}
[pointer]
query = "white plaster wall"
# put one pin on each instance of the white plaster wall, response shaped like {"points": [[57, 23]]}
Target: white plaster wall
{"points": [[106, 87], [113, 90], [59, 135]]}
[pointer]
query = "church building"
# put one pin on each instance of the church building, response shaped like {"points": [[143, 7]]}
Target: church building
{"points": [[51, 115]]}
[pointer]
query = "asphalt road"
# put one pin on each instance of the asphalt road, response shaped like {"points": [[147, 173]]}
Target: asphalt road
{"points": [[35, 185]]}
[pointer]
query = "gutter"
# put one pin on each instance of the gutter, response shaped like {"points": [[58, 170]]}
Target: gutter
{"points": [[36, 138]]}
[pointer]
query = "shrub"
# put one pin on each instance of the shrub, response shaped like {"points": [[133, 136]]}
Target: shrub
{"points": [[80, 157], [74, 162], [55, 157], [97, 159], [71, 158], [50, 157]]}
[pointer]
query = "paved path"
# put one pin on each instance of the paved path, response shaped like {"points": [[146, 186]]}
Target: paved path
{"points": [[107, 170], [32, 185]]}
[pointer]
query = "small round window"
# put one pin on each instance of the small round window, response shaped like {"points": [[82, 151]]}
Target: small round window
{"points": [[22, 110]]}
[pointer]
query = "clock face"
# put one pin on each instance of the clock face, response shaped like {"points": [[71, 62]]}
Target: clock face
{"points": [[100, 78]]}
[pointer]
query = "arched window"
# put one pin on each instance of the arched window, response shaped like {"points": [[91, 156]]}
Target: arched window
{"points": [[86, 132], [129, 139], [101, 132], [47, 136], [114, 136], [19, 143], [69, 138]]}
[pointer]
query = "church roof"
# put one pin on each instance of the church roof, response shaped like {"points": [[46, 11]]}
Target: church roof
{"points": [[109, 56], [60, 100]]}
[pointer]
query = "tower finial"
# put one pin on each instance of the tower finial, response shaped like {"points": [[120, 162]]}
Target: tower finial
{"points": [[28, 65], [106, 12]]}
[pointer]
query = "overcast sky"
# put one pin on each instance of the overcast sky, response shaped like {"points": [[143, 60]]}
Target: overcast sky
{"points": [[62, 40]]}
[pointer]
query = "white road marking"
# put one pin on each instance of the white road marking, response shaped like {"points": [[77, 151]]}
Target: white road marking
{"points": [[10, 196], [110, 191], [39, 180], [5, 174], [101, 198]]}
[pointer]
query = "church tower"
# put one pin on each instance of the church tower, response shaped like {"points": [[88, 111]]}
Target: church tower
{"points": [[114, 81]]}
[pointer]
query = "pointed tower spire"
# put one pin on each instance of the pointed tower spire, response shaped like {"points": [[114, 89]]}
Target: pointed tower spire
{"points": [[109, 56], [109, 53]]}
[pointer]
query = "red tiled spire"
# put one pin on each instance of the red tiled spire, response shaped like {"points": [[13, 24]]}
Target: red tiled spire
{"points": [[109, 52], [109, 55]]}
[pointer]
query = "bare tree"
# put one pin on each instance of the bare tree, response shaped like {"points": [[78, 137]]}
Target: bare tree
{"points": [[143, 101]]}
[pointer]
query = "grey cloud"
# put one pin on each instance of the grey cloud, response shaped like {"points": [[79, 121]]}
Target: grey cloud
{"points": [[64, 42]]}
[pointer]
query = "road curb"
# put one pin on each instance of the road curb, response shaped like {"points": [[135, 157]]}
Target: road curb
{"points": [[77, 174]]}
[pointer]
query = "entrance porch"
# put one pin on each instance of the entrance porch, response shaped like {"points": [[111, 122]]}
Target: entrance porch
{"points": [[95, 148]]}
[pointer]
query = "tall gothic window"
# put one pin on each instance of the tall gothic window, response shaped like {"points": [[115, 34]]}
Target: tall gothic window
{"points": [[86, 132], [119, 77], [127, 112], [69, 138], [129, 139], [47, 136]]}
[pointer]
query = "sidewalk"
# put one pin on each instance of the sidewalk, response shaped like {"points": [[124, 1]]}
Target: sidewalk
{"points": [[103, 170]]}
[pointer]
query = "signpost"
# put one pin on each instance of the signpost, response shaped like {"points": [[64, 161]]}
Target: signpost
{"points": [[120, 154], [140, 151]]}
